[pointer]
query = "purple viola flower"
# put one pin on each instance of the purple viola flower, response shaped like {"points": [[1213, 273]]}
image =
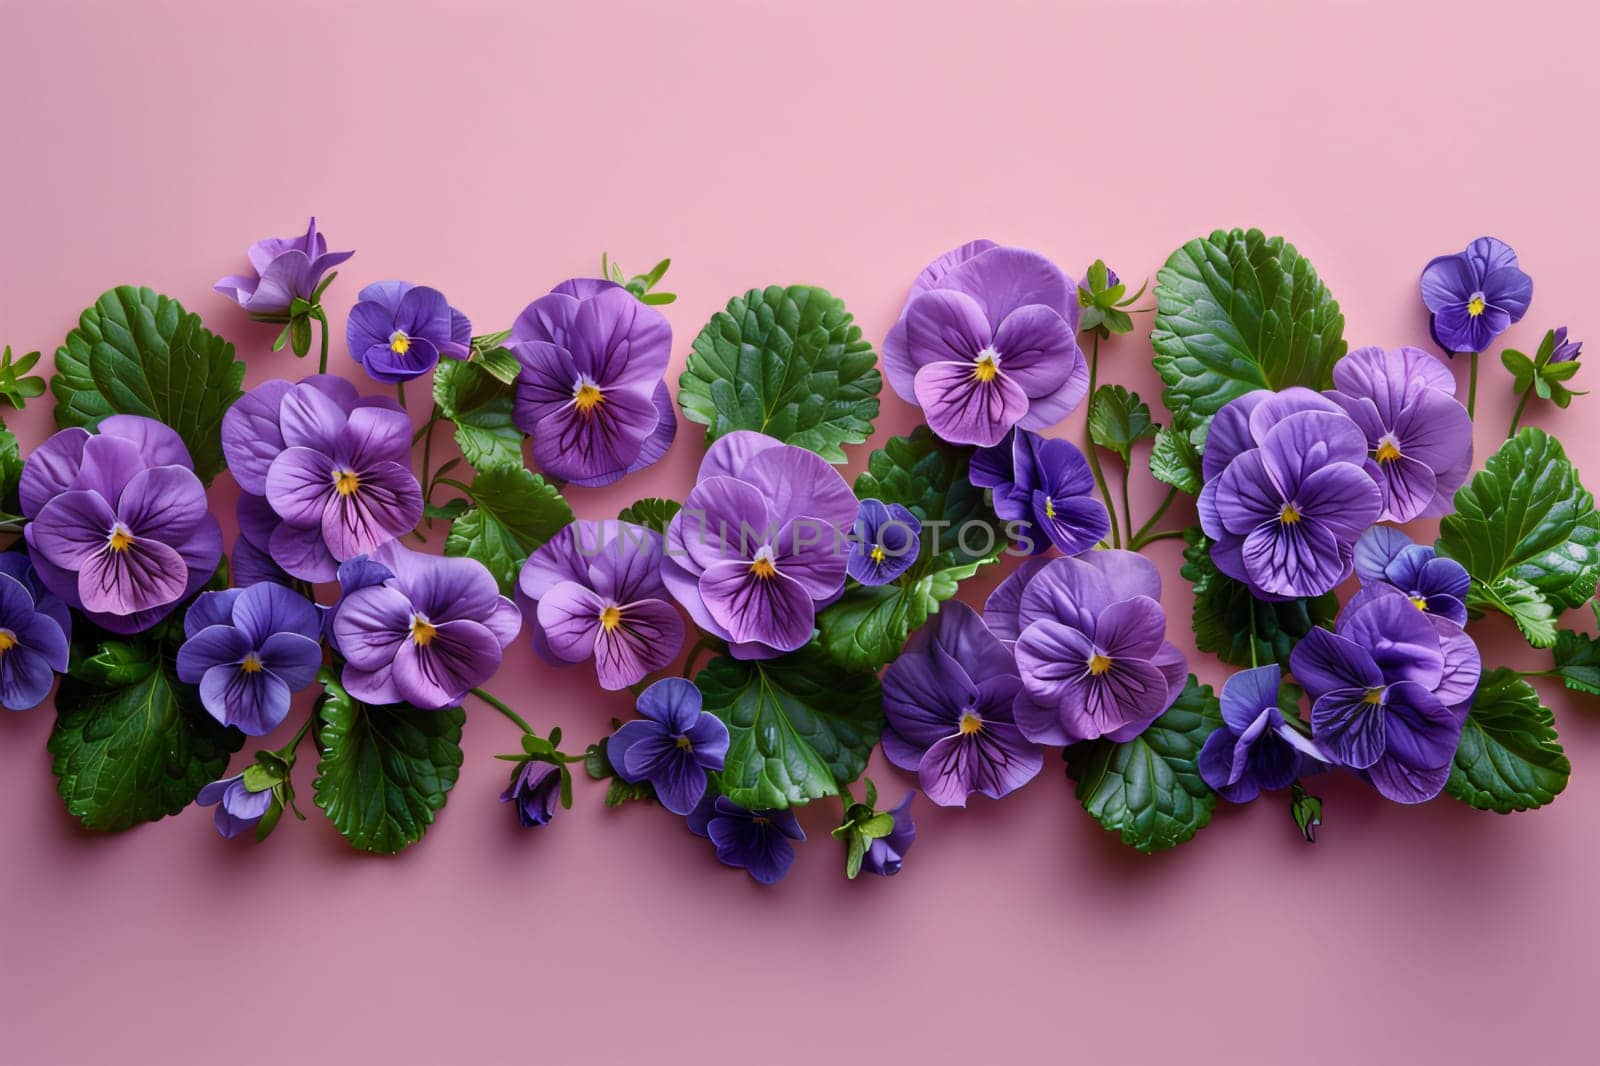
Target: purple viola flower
{"points": [[285, 268], [1112, 281], [947, 711], [591, 392], [333, 467], [1002, 611], [238, 809], [988, 341], [398, 331], [885, 854], [535, 789], [594, 591], [427, 634], [251, 562], [1047, 486], [35, 628], [757, 842], [884, 544], [1563, 350], [1092, 650], [1288, 489], [119, 523], [250, 650], [1255, 749], [757, 547], [1433, 583], [672, 746], [1418, 435], [1475, 294]]}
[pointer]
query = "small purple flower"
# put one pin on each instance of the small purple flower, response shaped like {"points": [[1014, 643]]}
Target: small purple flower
{"points": [[1255, 749], [885, 854], [1092, 650], [1563, 350], [757, 546], [119, 523], [250, 650], [1475, 294], [398, 331], [1433, 583], [1112, 281], [672, 746], [35, 628], [594, 591], [427, 634], [987, 341], [535, 789], [1047, 486], [238, 809], [886, 540], [1419, 436], [285, 268], [757, 842], [591, 392], [1288, 489], [947, 704]]}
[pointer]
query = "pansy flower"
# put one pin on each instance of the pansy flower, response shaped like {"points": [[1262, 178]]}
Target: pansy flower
{"points": [[398, 331], [672, 746], [987, 341], [286, 269], [1563, 350], [1434, 584], [535, 790], [885, 854], [1255, 749], [35, 628], [1046, 486], [250, 650], [884, 544], [238, 809], [757, 842], [1475, 294]]}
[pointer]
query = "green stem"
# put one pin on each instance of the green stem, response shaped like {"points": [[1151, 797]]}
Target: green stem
{"points": [[1150, 538], [322, 317], [427, 460], [1472, 386], [1253, 661], [400, 392], [1139, 537], [694, 655], [1127, 509], [287, 751], [1093, 453], [1516, 416], [516, 718]]}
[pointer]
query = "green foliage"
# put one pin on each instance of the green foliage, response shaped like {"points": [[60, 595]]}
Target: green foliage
{"points": [[1509, 758], [480, 405], [16, 384], [513, 513], [1175, 461], [650, 512], [1578, 659], [1539, 375], [1104, 305], [1228, 619], [1118, 420]]}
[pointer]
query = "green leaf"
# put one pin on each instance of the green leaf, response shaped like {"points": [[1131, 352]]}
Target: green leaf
{"points": [[869, 625], [384, 771], [1175, 461], [1118, 420], [650, 512], [16, 384], [138, 353], [1521, 368], [1528, 518], [1522, 603], [1226, 614], [1239, 311], [789, 363], [1578, 659], [480, 405], [500, 363], [10, 472], [799, 726], [131, 742], [1149, 789], [514, 512], [1509, 758]]}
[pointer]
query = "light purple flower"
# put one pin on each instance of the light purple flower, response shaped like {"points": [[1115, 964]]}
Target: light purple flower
{"points": [[987, 341], [594, 591], [250, 650], [285, 268], [398, 331], [238, 809], [591, 392], [757, 547], [35, 628], [1288, 489], [1475, 294], [947, 704], [427, 634], [672, 746], [535, 789], [1255, 749], [119, 523], [757, 842], [1092, 650], [885, 854], [1563, 350], [1418, 435], [885, 542], [1047, 486], [1433, 583]]}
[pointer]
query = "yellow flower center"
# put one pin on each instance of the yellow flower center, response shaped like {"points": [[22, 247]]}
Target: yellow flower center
{"points": [[878, 554], [121, 539], [251, 664], [1374, 696], [399, 343], [685, 744], [1049, 507], [1289, 515], [1388, 451], [346, 482], [610, 617], [987, 367], [1099, 664], [421, 631], [586, 397], [970, 724], [1476, 305], [1419, 603], [8, 640], [762, 567]]}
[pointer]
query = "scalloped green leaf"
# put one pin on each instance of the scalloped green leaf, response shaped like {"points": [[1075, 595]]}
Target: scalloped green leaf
{"points": [[1119, 419], [1175, 461], [652, 512], [1578, 659], [479, 404], [514, 512], [1227, 617], [1509, 758]]}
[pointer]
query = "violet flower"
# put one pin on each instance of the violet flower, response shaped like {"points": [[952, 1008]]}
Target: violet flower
{"points": [[1475, 294], [1047, 487], [756, 548], [886, 854], [119, 527], [1418, 435], [286, 269], [1255, 749], [1288, 489], [987, 341], [757, 842], [591, 392], [1563, 350], [1434, 584], [35, 629], [947, 704], [884, 544], [1093, 652], [238, 809], [398, 331], [250, 650], [672, 746], [594, 591], [535, 789]]}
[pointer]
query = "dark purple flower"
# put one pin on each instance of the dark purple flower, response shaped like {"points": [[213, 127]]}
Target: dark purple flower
{"points": [[1288, 489], [758, 545], [757, 842], [594, 591], [885, 854], [250, 650], [1419, 436], [987, 341], [119, 523], [285, 268], [35, 628], [1092, 650], [1475, 294], [1563, 350], [1047, 486], [1255, 749], [536, 789], [886, 540], [426, 635], [591, 392], [398, 331], [238, 809], [1433, 583], [672, 746], [947, 711]]}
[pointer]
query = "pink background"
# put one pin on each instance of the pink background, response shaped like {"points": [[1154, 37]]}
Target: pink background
{"points": [[492, 149]]}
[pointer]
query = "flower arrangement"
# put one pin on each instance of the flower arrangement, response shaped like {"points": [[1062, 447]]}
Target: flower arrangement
{"points": [[820, 615]]}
